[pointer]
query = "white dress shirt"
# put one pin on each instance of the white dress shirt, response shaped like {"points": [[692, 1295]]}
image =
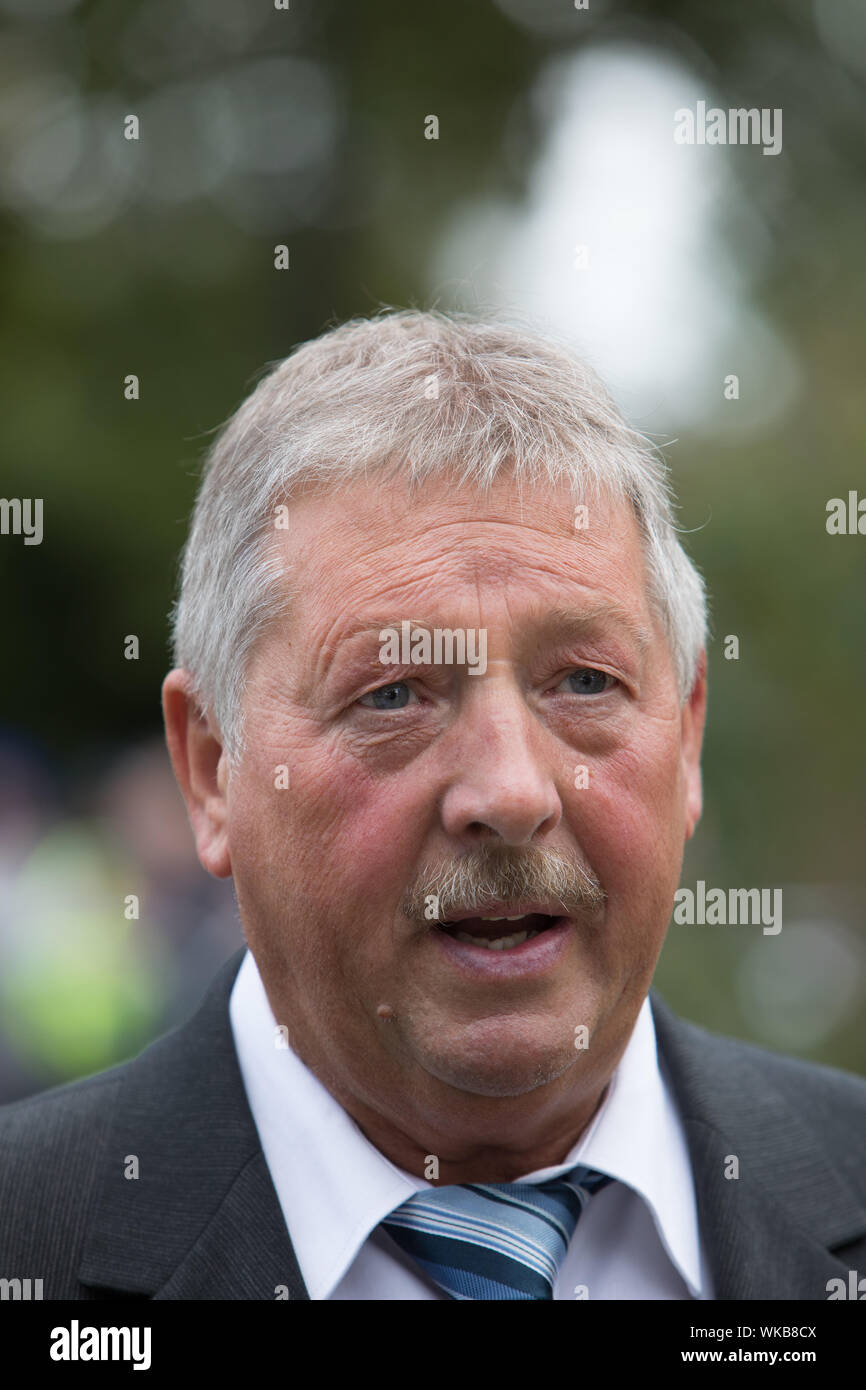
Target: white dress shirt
{"points": [[637, 1239]]}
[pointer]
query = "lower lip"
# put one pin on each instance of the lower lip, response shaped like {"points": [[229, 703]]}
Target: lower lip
{"points": [[532, 957]]}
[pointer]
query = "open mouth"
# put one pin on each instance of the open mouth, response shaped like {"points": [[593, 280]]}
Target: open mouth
{"points": [[500, 933]]}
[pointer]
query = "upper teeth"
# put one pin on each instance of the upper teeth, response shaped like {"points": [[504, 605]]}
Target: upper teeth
{"points": [[502, 943]]}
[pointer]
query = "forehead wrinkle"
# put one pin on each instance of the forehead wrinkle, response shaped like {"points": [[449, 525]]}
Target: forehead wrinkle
{"points": [[394, 612], [477, 561], [571, 619], [472, 547], [374, 546]]}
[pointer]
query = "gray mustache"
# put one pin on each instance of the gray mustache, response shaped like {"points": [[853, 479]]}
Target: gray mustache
{"points": [[471, 883]]}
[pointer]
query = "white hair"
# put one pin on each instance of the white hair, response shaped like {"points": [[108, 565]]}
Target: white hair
{"points": [[409, 394]]}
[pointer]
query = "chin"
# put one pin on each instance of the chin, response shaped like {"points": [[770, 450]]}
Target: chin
{"points": [[510, 1070]]}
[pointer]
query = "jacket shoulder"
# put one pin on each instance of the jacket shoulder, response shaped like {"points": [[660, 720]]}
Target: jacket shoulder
{"points": [[51, 1150], [731, 1077], [62, 1149], [49, 1116], [790, 1073]]}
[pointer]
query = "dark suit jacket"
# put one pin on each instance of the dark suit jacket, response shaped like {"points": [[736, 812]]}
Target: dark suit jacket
{"points": [[202, 1220]]}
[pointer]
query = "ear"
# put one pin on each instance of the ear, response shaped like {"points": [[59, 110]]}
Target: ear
{"points": [[693, 717], [201, 768]]}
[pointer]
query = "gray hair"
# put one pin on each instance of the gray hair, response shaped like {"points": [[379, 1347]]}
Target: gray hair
{"points": [[408, 393]]}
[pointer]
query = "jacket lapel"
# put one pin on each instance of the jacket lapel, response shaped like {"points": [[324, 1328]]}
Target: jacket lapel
{"points": [[769, 1232], [201, 1220]]}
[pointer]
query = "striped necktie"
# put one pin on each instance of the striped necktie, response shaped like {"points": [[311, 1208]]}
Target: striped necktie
{"points": [[495, 1240]]}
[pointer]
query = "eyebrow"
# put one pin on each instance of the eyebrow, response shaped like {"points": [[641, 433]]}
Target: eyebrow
{"points": [[567, 621], [577, 620]]}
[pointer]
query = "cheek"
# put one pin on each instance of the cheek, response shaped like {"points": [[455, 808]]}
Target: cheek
{"points": [[381, 830], [630, 822], [337, 838]]}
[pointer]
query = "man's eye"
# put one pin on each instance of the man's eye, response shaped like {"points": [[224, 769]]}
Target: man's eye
{"points": [[387, 696], [588, 681]]}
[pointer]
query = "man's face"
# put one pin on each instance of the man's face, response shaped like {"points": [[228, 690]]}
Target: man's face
{"points": [[570, 749]]}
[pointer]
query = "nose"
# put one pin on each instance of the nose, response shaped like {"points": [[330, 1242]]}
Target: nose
{"points": [[503, 789]]}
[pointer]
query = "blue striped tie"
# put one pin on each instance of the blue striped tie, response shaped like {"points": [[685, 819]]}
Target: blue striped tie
{"points": [[497, 1240]]}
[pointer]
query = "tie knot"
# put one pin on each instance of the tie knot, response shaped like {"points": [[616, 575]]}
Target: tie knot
{"points": [[494, 1240]]}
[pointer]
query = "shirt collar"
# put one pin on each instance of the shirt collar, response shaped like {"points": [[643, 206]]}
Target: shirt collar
{"points": [[335, 1187], [636, 1137]]}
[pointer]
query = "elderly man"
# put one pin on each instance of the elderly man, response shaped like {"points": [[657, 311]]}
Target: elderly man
{"points": [[437, 710]]}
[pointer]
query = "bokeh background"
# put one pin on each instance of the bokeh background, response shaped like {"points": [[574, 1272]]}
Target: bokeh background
{"points": [[305, 127]]}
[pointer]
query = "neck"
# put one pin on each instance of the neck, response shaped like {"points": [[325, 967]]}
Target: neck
{"points": [[493, 1159]]}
